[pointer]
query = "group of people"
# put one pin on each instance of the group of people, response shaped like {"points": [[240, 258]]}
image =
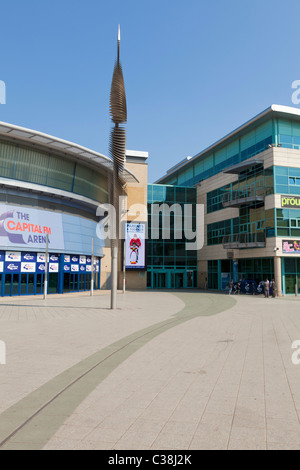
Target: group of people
{"points": [[269, 287], [234, 288]]}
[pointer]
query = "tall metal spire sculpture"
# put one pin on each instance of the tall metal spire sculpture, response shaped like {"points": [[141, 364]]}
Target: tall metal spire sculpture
{"points": [[117, 149]]}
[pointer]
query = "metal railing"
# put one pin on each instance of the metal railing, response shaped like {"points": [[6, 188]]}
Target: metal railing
{"points": [[247, 240], [246, 194]]}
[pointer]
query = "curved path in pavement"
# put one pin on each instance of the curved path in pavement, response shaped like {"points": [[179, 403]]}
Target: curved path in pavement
{"points": [[33, 421]]}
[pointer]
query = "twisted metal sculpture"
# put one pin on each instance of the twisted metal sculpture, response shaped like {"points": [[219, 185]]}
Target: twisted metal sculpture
{"points": [[117, 149]]}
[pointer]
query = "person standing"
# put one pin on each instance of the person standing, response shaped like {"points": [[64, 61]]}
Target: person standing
{"points": [[267, 287], [230, 286]]}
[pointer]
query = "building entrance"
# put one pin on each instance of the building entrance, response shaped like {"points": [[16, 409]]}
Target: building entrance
{"points": [[179, 279]]}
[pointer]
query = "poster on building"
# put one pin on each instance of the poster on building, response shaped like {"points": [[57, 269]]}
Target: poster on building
{"points": [[135, 233], [28, 228], [291, 246]]}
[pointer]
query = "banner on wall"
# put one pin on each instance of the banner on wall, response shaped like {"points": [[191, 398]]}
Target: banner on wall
{"points": [[24, 228], [291, 246], [135, 244], [290, 201]]}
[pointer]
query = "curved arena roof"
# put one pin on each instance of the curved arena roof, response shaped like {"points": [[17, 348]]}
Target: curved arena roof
{"points": [[54, 144]]}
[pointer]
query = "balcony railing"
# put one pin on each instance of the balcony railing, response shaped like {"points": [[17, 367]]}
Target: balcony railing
{"points": [[245, 240], [247, 195]]}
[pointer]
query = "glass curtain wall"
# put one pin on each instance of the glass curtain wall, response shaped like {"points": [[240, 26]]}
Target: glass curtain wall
{"points": [[170, 265]]}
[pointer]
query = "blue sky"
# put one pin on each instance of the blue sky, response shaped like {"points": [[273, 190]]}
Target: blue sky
{"points": [[194, 70]]}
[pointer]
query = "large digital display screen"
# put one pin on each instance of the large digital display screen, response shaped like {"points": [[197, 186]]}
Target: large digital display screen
{"points": [[135, 245]]}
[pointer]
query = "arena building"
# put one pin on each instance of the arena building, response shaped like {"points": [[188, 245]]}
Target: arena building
{"points": [[51, 186]]}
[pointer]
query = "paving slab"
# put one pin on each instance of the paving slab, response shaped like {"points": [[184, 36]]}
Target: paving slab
{"points": [[206, 371]]}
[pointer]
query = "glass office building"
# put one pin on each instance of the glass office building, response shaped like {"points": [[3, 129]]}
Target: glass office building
{"points": [[249, 183]]}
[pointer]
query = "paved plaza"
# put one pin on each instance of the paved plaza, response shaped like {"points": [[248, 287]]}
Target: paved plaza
{"points": [[166, 370]]}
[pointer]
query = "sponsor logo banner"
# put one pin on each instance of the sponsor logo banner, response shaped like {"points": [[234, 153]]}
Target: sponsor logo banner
{"points": [[12, 267], [29, 227], [53, 267], [290, 201], [28, 257], [1, 266], [67, 258], [291, 246], [13, 256], [41, 257], [74, 259], [82, 260], [75, 268], [27, 267]]}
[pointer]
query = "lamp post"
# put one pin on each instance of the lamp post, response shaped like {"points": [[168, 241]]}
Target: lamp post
{"points": [[46, 269], [118, 111], [92, 273]]}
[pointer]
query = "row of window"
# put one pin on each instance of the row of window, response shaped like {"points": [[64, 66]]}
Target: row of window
{"points": [[246, 146], [256, 269], [33, 284], [160, 194], [252, 182], [42, 168], [252, 220], [273, 222]]}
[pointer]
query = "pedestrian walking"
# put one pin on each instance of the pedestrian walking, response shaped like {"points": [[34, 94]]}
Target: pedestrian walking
{"points": [[230, 286], [267, 287]]}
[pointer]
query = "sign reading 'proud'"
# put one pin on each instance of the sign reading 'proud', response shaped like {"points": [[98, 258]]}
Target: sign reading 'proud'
{"points": [[290, 201]]}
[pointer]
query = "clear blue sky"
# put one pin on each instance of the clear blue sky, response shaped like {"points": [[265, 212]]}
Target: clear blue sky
{"points": [[194, 70]]}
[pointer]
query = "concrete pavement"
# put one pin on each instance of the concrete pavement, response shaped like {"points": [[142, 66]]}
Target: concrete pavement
{"points": [[182, 370]]}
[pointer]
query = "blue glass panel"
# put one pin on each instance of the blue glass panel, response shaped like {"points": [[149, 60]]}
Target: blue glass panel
{"points": [[294, 171], [285, 139], [281, 170]]}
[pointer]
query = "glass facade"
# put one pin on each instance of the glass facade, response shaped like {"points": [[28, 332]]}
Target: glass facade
{"points": [[288, 223], [221, 271], [252, 182], [287, 180], [291, 275], [66, 273], [237, 150], [254, 224], [33, 166], [169, 264]]}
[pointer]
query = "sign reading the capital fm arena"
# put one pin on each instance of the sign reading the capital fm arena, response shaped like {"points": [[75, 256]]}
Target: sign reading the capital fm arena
{"points": [[135, 245], [28, 228], [291, 246], [290, 202]]}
